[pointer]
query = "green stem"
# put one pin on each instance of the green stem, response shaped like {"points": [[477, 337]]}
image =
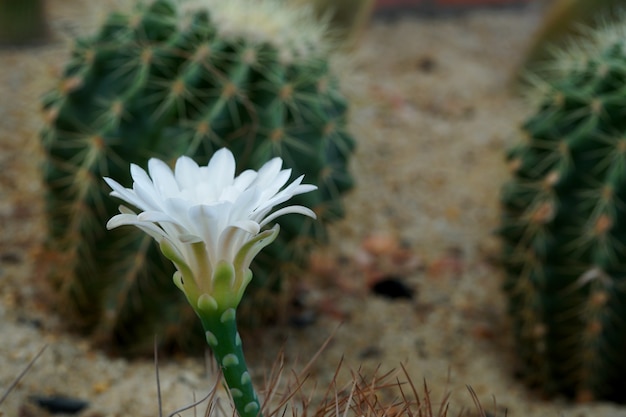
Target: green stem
{"points": [[222, 336]]}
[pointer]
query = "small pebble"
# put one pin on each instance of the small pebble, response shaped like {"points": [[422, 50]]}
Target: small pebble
{"points": [[57, 404], [393, 288], [380, 245]]}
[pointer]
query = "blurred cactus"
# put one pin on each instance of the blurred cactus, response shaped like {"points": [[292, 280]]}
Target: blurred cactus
{"points": [[564, 225], [22, 21], [164, 81], [564, 20], [346, 18]]}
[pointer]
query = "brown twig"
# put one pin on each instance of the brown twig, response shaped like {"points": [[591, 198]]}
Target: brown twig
{"points": [[21, 375]]}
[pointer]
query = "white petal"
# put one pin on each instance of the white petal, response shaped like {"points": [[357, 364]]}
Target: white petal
{"points": [[186, 173], [221, 168], [126, 219], [121, 220], [305, 188], [291, 190], [154, 217], [230, 193], [173, 231], [141, 178], [162, 178], [207, 221], [267, 173], [249, 226], [188, 238], [148, 197], [205, 192], [125, 210], [244, 179], [144, 188], [246, 204], [125, 194], [235, 236], [276, 184], [178, 209], [244, 256], [288, 210], [296, 187]]}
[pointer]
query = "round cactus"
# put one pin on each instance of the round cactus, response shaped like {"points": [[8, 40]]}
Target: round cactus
{"points": [[162, 81], [564, 225]]}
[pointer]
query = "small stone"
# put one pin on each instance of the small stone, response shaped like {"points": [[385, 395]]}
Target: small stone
{"points": [[56, 404], [370, 352], [381, 245], [482, 331], [393, 288], [323, 265], [101, 387]]}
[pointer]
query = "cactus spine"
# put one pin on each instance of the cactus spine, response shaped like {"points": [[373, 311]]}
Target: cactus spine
{"points": [[564, 226], [164, 81], [564, 20]]}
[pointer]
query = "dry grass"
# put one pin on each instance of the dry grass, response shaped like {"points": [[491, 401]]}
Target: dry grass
{"points": [[386, 395], [21, 375], [294, 394]]}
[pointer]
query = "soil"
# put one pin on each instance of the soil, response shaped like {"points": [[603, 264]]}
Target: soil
{"points": [[433, 111]]}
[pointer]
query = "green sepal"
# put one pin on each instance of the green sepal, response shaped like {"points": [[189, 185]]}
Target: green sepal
{"points": [[183, 278], [223, 289], [251, 249]]}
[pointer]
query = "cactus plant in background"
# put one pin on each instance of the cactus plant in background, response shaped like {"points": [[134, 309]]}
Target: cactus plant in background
{"points": [[166, 80], [565, 19], [564, 225], [346, 18]]}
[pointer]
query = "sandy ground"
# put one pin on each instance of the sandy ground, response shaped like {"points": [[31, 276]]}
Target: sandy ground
{"points": [[433, 113]]}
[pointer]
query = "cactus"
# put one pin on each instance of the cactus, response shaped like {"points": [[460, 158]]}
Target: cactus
{"points": [[564, 225], [161, 81], [347, 18], [564, 20]]}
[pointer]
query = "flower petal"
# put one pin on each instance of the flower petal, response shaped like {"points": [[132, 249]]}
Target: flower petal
{"points": [[208, 221], [155, 216], [276, 184], [289, 210], [121, 220], [235, 236], [186, 173], [288, 192], [246, 254], [141, 178], [221, 168], [187, 238], [268, 172], [163, 178], [126, 219], [125, 194], [178, 209], [245, 179], [248, 226]]}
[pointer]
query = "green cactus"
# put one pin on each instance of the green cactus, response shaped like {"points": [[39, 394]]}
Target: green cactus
{"points": [[565, 20], [163, 81], [346, 18], [564, 226]]}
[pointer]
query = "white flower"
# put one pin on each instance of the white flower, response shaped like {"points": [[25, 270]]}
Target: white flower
{"points": [[208, 221]]}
